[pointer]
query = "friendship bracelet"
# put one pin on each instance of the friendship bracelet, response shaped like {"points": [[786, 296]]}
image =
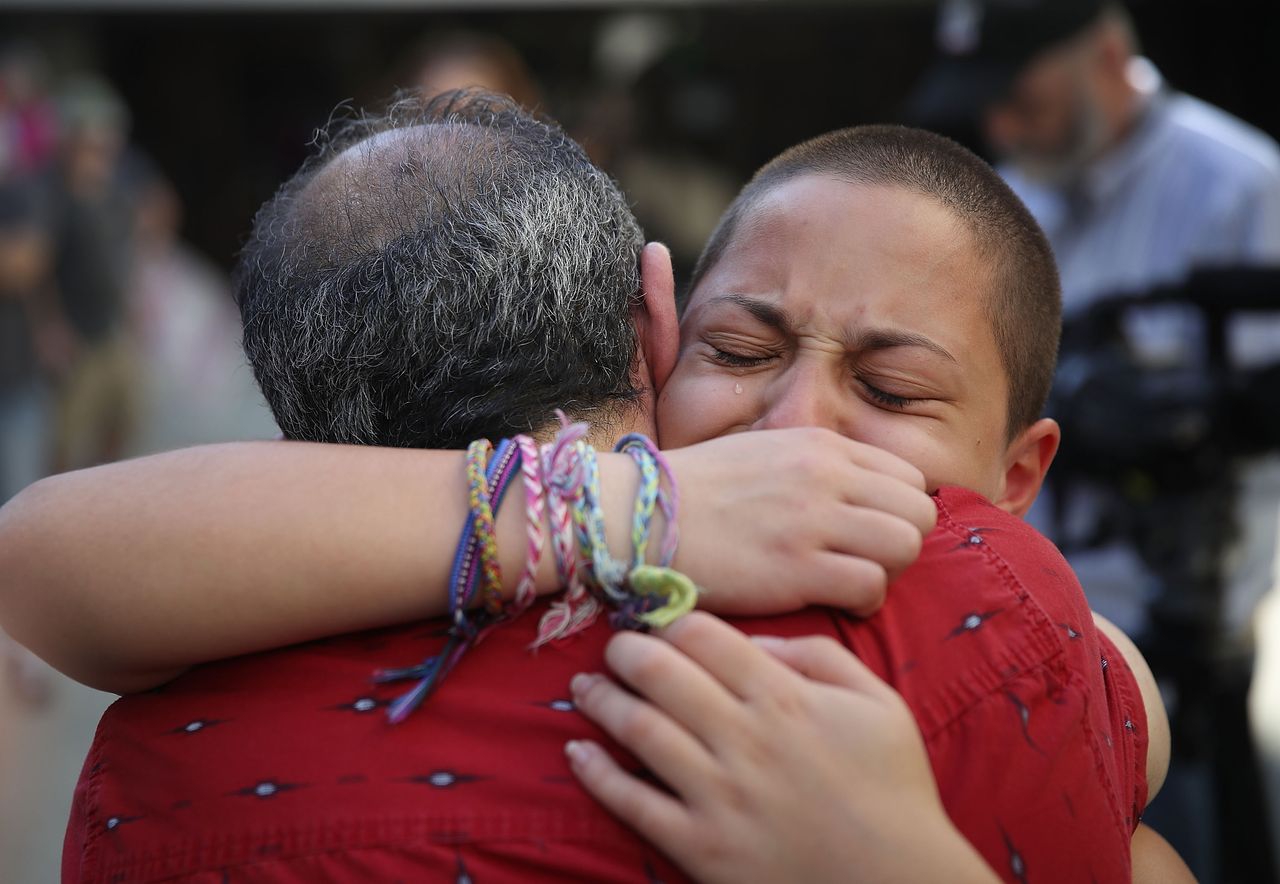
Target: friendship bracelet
{"points": [[530, 468], [478, 460], [562, 478], [488, 483], [657, 595], [498, 473], [609, 573], [646, 499], [668, 499], [466, 572], [641, 596]]}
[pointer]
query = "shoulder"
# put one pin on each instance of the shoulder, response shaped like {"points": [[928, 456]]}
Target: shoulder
{"points": [[1200, 133], [988, 598], [1010, 698], [1028, 562]]}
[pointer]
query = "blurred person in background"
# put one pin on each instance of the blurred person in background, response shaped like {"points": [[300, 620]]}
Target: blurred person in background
{"points": [[92, 224], [28, 121], [649, 118], [676, 193], [25, 290], [194, 385], [25, 281], [1137, 186], [458, 59]]}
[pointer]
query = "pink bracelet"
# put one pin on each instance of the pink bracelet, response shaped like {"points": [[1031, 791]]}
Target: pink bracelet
{"points": [[531, 469], [562, 477]]}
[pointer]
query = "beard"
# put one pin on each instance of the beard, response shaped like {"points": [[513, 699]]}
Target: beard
{"points": [[1086, 136]]}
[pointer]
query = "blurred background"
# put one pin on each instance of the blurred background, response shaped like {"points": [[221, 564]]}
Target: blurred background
{"points": [[137, 141]]}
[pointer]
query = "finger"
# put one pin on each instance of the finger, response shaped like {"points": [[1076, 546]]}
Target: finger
{"points": [[670, 679], [674, 754], [883, 538], [880, 461], [889, 494], [839, 580], [726, 655], [656, 816], [825, 660]]}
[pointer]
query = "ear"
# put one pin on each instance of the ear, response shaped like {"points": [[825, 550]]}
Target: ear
{"points": [[1113, 51], [655, 317], [1026, 461]]}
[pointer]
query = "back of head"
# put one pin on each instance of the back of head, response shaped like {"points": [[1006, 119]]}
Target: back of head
{"points": [[1024, 303], [455, 268]]}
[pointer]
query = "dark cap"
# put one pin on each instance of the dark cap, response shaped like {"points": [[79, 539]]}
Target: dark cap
{"points": [[983, 46]]}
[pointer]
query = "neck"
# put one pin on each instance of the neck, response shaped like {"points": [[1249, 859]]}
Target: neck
{"points": [[607, 428]]}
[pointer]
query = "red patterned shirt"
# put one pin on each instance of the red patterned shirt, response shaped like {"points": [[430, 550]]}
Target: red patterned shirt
{"points": [[282, 767]]}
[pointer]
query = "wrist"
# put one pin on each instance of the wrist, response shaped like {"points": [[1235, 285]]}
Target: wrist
{"points": [[619, 483], [512, 530]]}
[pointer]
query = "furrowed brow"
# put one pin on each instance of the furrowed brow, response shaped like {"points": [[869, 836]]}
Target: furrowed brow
{"points": [[766, 313], [872, 339]]}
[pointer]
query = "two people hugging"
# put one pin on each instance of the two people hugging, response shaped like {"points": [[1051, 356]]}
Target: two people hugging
{"points": [[909, 684]]}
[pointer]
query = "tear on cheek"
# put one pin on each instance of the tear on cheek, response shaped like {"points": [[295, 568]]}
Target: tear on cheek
{"points": [[737, 388]]}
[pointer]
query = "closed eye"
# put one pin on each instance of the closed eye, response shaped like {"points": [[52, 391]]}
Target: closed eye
{"points": [[889, 400], [737, 360]]}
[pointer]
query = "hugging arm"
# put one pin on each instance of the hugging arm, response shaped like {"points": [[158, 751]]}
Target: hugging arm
{"points": [[1155, 861], [125, 574]]}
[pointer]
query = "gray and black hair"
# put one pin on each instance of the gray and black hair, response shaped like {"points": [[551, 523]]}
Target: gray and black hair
{"points": [[453, 269], [1024, 301]]}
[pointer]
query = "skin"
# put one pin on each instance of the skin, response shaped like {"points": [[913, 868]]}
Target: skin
{"points": [[850, 307]]}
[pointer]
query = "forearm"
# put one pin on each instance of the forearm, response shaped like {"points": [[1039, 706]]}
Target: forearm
{"points": [[123, 574]]}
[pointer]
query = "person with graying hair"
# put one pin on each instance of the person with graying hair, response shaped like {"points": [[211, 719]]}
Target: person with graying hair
{"points": [[453, 344], [825, 332]]}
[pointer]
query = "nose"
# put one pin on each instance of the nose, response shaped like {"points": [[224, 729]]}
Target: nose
{"points": [[804, 396]]}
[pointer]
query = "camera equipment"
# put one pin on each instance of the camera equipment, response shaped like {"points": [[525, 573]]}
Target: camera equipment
{"points": [[1162, 447]]}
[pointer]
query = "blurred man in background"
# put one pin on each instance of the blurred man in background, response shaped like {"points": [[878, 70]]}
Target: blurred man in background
{"points": [[1137, 187], [92, 217], [193, 384], [1136, 184]]}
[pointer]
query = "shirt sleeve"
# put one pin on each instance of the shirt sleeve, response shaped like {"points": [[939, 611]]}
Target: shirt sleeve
{"points": [[1030, 783]]}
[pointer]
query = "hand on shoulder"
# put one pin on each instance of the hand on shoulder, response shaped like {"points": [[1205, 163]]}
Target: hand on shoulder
{"points": [[786, 760]]}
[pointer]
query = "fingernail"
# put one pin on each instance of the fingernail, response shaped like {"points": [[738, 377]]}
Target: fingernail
{"points": [[577, 751], [769, 642], [582, 682]]}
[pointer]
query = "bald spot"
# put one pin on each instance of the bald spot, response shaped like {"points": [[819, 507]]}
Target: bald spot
{"points": [[391, 184]]}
